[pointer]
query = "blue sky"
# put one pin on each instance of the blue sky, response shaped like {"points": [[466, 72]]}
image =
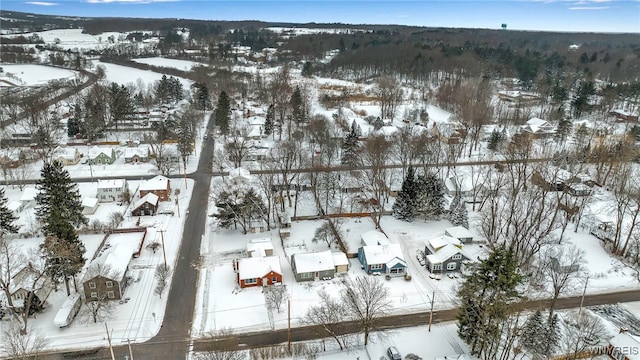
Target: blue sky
{"points": [[547, 15]]}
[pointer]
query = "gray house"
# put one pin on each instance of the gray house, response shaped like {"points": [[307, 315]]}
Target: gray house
{"points": [[315, 266], [444, 254]]}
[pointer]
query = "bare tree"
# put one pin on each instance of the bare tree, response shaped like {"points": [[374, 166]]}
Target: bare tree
{"points": [[375, 156], [223, 347], [115, 218], [367, 300], [581, 332], [21, 345], [275, 296], [237, 148], [329, 315], [153, 246], [389, 95], [98, 308], [285, 156], [560, 266]]}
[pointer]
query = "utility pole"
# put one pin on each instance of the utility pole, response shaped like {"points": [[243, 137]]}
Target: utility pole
{"points": [[109, 341], [164, 254], [289, 325], [431, 312], [130, 351]]}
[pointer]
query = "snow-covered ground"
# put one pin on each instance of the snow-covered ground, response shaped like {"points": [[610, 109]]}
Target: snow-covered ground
{"points": [[125, 75], [33, 75], [185, 65]]}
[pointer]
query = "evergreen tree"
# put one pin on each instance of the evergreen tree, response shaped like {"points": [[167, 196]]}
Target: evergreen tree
{"points": [[176, 90], [458, 214], [533, 333], [563, 130], [268, 122], [162, 90], [7, 218], [59, 210], [222, 113], [307, 69], [227, 210], [485, 295], [202, 98], [430, 195], [298, 110], [350, 147], [404, 208], [496, 139], [553, 335], [120, 103]]}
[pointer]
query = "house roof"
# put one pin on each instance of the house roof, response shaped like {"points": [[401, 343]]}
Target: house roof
{"points": [[67, 153], [157, 183], [382, 254], [628, 342], [436, 243], [258, 247], [444, 254], [311, 262], [130, 152], [97, 150], [373, 237], [537, 122], [116, 260], [111, 183], [253, 268], [339, 258], [89, 202], [23, 279], [14, 205], [459, 232], [29, 194], [150, 198]]}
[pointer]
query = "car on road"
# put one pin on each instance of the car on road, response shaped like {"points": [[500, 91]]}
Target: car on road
{"points": [[420, 256], [393, 353]]}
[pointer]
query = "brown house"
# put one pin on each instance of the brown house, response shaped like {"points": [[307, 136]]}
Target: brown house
{"points": [[106, 275], [258, 271], [147, 205], [159, 185]]}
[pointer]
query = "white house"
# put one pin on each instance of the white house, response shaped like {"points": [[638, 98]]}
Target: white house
{"points": [[89, 205], [112, 190], [538, 127], [28, 197]]}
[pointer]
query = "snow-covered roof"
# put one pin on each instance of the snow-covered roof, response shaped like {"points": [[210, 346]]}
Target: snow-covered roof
{"points": [[254, 268], [117, 260], [90, 202], [258, 247], [458, 232], [444, 253], [150, 198], [311, 262], [438, 115], [434, 244], [157, 183], [67, 153], [111, 184], [130, 152], [97, 150], [626, 343], [373, 237], [339, 258], [382, 254], [28, 194], [14, 205]]}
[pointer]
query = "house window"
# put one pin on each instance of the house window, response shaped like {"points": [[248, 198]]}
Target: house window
{"points": [[375, 267], [397, 271], [109, 284], [456, 257], [305, 275], [436, 267], [111, 294], [250, 281], [274, 280], [92, 285], [94, 294], [452, 266]]}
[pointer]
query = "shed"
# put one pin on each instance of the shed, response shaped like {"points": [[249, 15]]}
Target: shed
{"points": [[260, 247], [89, 205]]}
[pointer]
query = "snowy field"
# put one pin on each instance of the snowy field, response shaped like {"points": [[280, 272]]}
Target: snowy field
{"points": [[125, 75], [185, 65], [33, 75], [69, 39]]}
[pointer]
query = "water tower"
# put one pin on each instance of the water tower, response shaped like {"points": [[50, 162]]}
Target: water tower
{"points": [[504, 26]]}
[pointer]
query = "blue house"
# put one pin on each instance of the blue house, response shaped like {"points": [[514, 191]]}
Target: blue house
{"points": [[382, 259]]}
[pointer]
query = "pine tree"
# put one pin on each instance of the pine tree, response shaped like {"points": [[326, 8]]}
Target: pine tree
{"points": [[222, 113], [350, 147], [496, 139], [430, 195], [202, 98], [227, 214], [298, 110], [458, 214], [162, 90], [176, 90], [563, 130], [59, 210], [404, 208], [7, 218], [533, 333], [485, 295], [552, 338], [268, 122]]}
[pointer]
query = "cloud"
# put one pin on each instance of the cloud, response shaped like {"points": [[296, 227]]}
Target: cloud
{"points": [[41, 3], [588, 8]]}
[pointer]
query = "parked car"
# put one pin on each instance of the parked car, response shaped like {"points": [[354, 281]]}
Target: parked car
{"points": [[393, 353], [420, 256]]}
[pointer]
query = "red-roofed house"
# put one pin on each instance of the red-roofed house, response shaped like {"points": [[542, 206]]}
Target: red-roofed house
{"points": [[159, 185]]}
